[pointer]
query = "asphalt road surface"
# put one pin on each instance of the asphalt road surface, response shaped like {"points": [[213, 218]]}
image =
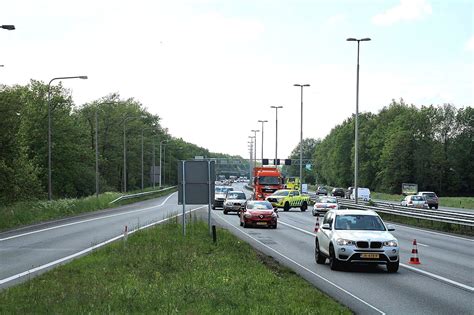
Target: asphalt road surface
{"points": [[442, 284]]}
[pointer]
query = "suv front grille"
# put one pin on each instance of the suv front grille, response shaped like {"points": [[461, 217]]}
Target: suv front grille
{"points": [[375, 244], [362, 244]]}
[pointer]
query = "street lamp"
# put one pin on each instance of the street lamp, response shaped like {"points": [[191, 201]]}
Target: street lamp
{"points": [[50, 187], [250, 146], [356, 144], [262, 121], [255, 146], [276, 131], [301, 135], [124, 122], [161, 144], [143, 129], [8, 27]]}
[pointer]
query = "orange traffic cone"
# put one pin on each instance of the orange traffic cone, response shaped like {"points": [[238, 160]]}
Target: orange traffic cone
{"points": [[316, 227], [414, 260]]}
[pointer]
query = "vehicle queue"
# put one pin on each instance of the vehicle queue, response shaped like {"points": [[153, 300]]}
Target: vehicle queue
{"points": [[346, 236]]}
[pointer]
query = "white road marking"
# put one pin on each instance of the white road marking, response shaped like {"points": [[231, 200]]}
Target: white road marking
{"points": [[458, 284], [84, 221], [429, 274], [303, 267], [87, 250], [424, 245]]}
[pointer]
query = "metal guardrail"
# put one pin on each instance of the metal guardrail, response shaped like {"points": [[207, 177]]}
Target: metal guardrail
{"points": [[453, 217], [124, 197]]}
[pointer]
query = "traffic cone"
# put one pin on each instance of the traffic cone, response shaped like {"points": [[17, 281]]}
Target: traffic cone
{"points": [[414, 260], [316, 226]]}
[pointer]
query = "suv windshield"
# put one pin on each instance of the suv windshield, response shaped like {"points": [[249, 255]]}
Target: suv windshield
{"points": [[268, 180], [236, 196], [359, 222]]}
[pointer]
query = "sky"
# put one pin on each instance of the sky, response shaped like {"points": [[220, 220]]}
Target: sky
{"points": [[211, 69]]}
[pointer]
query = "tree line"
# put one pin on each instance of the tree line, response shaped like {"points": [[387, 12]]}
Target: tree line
{"points": [[24, 144], [432, 146]]}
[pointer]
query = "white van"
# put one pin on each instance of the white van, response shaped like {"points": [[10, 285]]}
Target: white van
{"points": [[362, 193]]}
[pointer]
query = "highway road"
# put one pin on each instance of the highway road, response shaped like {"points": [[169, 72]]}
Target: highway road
{"points": [[442, 284], [32, 250]]}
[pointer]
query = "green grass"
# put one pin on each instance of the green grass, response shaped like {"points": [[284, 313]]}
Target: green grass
{"points": [[30, 212], [455, 202], [160, 271]]}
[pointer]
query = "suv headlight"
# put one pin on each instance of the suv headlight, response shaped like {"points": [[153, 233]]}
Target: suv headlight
{"points": [[247, 215], [342, 242], [392, 243]]}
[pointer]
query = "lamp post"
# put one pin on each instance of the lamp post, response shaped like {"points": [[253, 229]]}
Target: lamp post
{"points": [[301, 134], [262, 121], [143, 129], [356, 122], [124, 122], [161, 144], [250, 146], [50, 187], [255, 145], [276, 131]]}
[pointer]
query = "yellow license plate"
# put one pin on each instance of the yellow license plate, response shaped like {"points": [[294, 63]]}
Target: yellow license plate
{"points": [[261, 223], [369, 256]]}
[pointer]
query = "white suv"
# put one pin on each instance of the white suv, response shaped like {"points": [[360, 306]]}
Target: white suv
{"points": [[356, 236]]}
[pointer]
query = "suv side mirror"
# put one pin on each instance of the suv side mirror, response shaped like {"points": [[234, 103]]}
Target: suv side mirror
{"points": [[326, 226], [390, 227]]}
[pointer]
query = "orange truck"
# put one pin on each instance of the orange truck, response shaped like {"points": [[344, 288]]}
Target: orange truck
{"points": [[266, 180]]}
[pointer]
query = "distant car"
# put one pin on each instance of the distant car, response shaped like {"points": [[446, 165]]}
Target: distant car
{"points": [[234, 201], [348, 192], [323, 204], [321, 191], [258, 213], [431, 198], [362, 193], [356, 237], [219, 196], [414, 201], [338, 192]]}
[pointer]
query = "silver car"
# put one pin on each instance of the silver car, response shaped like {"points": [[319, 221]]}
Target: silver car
{"points": [[219, 196], [324, 204], [356, 236], [234, 201], [414, 201]]}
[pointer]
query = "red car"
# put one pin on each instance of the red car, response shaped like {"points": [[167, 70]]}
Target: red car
{"points": [[258, 213]]}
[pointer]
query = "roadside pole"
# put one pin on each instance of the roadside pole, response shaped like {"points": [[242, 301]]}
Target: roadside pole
{"points": [[209, 196], [184, 199]]}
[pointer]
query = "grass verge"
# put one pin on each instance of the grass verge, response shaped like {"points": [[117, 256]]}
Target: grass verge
{"points": [[30, 212], [159, 271], [428, 224], [455, 202]]}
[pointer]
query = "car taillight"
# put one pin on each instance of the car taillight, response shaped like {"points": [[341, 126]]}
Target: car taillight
{"points": [[410, 202], [332, 206]]}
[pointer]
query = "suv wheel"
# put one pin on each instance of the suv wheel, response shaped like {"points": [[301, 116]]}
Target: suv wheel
{"points": [[286, 207], [393, 266], [318, 256], [304, 206], [334, 263]]}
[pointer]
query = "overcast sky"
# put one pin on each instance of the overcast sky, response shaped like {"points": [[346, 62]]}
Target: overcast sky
{"points": [[211, 69]]}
